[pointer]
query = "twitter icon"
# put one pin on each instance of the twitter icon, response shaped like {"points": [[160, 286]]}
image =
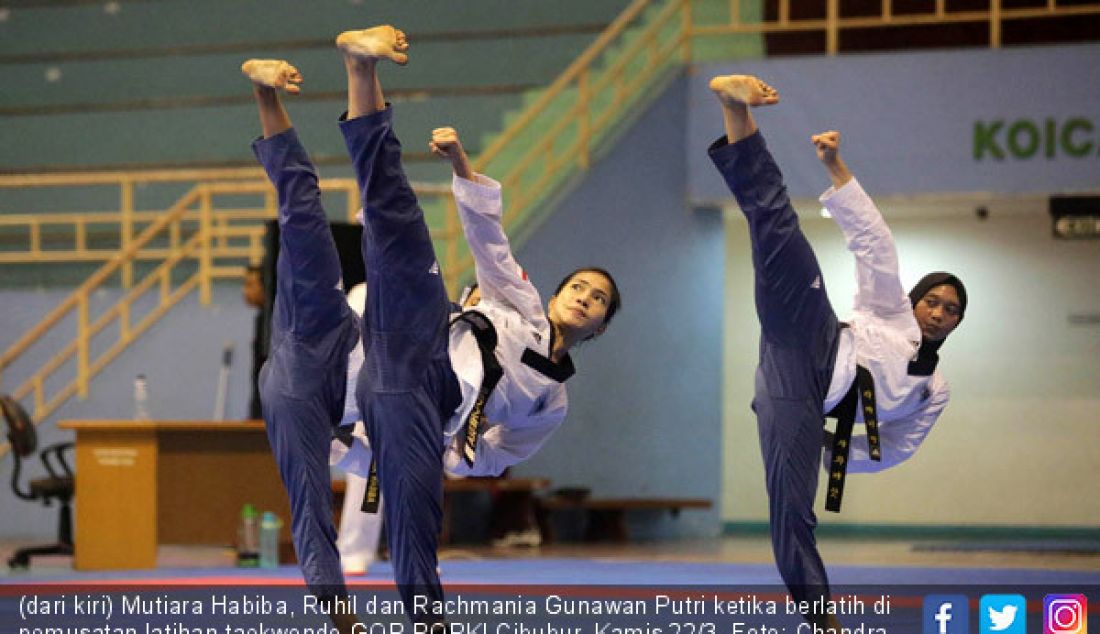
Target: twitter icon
{"points": [[1002, 614]]}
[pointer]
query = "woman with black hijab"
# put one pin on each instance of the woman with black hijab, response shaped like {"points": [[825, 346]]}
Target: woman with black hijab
{"points": [[878, 368]]}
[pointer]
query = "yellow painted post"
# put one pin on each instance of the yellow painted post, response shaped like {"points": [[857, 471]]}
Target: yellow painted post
{"points": [[127, 228], [83, 338], [36, 238], [994, 23], [887, 10], [174, 236], [205, 255], [832, 28], [735, 12], [81, 236]]}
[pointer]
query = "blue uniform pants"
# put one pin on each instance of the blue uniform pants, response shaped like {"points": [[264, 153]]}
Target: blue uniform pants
{"points": [[406, 388], [302, 384], [798, 344]]}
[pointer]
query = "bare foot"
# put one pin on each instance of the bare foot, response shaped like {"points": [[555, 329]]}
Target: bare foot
{"points": [[743, 90], [375, 43], [273, 73]]}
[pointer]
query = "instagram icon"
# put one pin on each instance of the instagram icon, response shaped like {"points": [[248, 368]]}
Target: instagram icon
{"points": [[1065, 614]]}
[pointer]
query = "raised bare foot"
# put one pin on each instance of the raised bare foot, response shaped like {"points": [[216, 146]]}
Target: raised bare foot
{"points": [[375, 43], [273, 73], [743, 90]]}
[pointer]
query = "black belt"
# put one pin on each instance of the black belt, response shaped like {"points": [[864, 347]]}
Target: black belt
{"points": [[863, 389], [486, 336], [371, 495]]}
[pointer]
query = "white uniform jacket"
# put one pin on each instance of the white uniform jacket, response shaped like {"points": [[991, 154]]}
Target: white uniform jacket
{"points": [[883, 337], [527, 404]]}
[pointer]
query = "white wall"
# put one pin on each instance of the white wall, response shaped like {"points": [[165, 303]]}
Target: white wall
{"points": [[1019, 443]]}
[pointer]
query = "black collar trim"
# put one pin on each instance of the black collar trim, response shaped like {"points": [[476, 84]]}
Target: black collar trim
{"points": [[559, 372]]}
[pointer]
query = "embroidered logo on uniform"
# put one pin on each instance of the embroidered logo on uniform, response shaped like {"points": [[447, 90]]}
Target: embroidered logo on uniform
{"points": [[434, 268], [536, 335], [816, 283], [926, 394], [523, 274]]}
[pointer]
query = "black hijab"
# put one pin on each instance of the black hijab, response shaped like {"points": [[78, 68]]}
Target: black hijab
{"points": [[928, 357]]}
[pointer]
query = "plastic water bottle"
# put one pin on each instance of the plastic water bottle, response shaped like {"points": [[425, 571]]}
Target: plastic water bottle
{"points": [[141, 398], [269, 540], [248, 538]]}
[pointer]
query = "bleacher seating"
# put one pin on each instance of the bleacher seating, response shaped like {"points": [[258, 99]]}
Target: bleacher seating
{"points": [[157, 83]]}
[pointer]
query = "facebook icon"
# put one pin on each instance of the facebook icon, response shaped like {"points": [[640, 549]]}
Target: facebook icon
{"points": [[946, 614]]}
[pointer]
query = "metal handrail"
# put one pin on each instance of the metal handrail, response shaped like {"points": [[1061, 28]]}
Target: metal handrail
{"points": [[212, 241]]}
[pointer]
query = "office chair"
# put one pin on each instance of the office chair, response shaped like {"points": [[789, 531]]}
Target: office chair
{"points": [[24, 441]]}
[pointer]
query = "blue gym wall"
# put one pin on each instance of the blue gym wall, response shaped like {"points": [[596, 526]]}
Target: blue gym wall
{"points": [[645, 406]]}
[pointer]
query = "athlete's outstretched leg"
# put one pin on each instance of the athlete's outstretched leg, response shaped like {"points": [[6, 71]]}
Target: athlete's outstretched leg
{"points": [[313, 331], [790, 295], [790, 442], [397, 247], [406, 388], [798, 337]]}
